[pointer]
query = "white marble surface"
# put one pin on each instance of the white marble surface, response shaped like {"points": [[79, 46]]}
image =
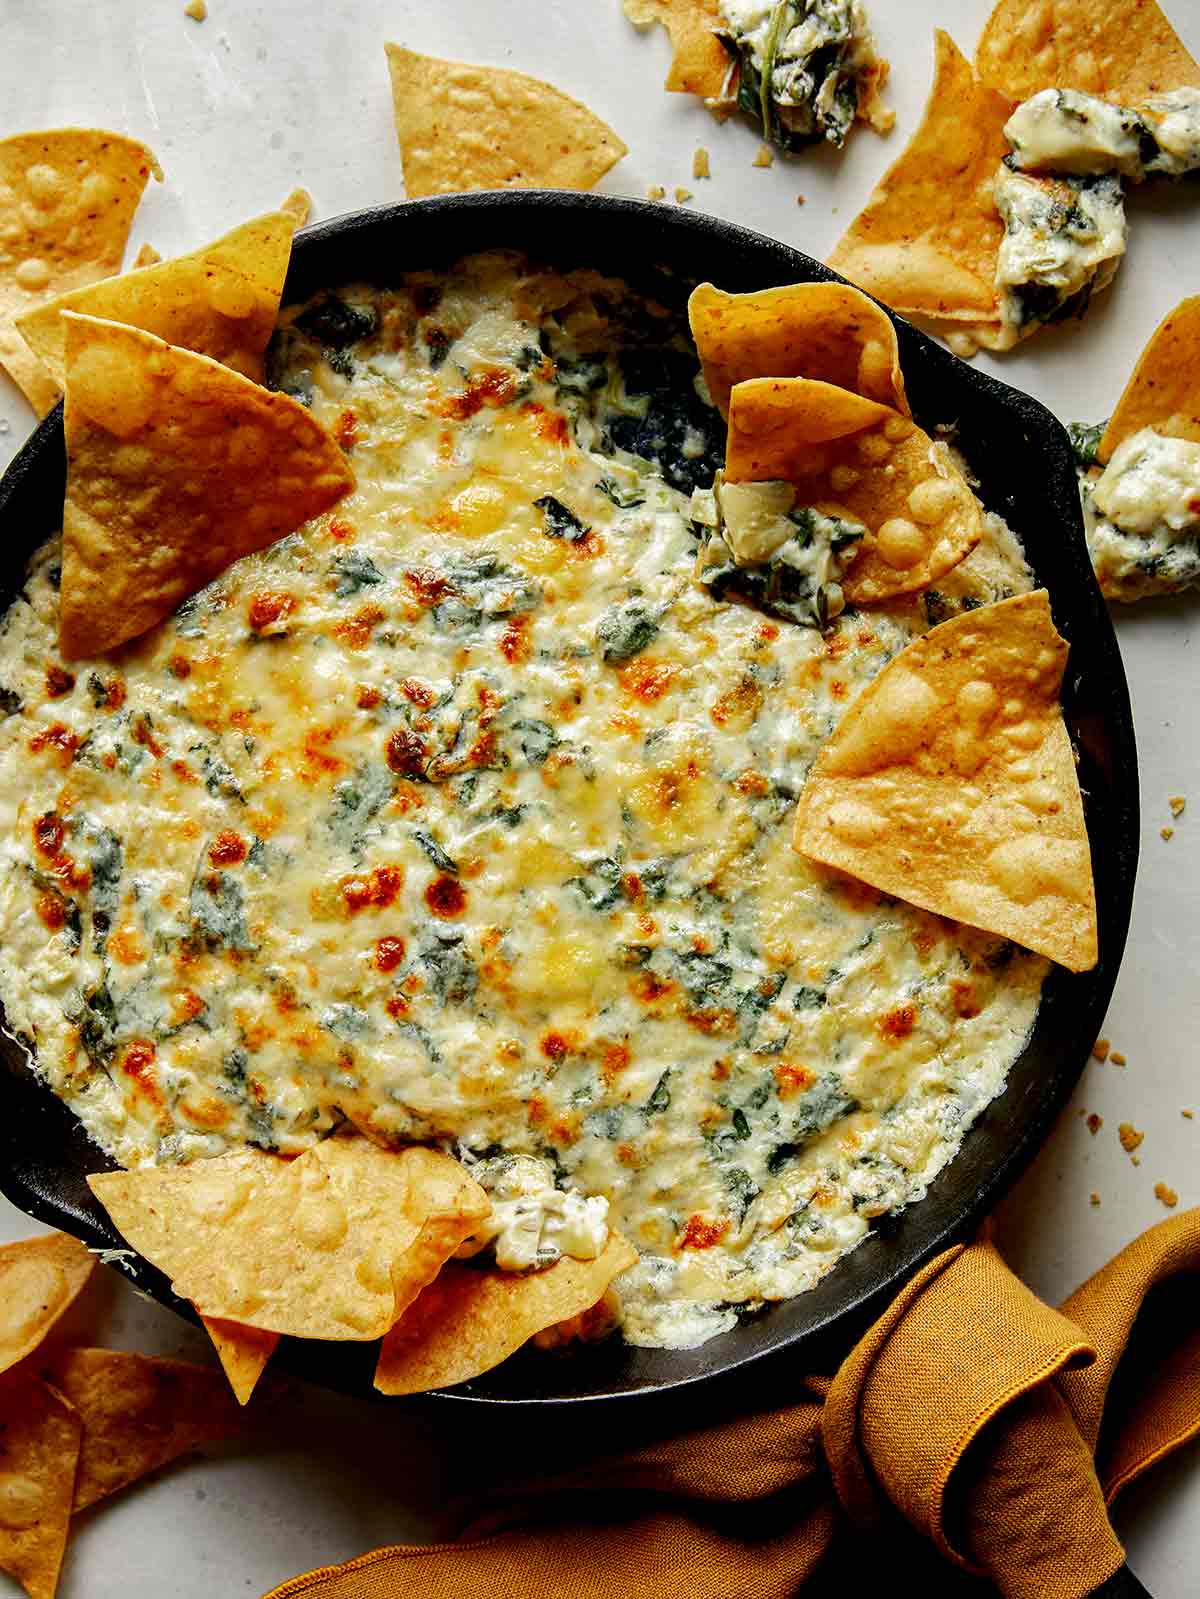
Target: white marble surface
{"points": [[263, 96]]}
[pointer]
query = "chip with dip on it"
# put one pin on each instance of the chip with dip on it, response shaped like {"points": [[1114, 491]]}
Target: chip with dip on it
{"points": [[40, 1279], [41, 1434], [853, 458], [470, 127], [334, 1244], [926, 242], [138, 1413], [950, 783], [700, 63], [828, 331], [176, 467], [68, 197], [1164, 390], [468, 1320], [221, 301], [1122, 49]]}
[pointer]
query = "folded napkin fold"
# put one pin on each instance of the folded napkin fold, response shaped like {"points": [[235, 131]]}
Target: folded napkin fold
{"points": [[972, 1414]]}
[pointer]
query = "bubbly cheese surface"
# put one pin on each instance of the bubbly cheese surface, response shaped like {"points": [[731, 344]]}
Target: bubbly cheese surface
{"points": [[463, 815]]}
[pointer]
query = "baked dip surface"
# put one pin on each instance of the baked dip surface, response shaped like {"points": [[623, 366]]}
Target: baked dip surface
{"points": [[463, 815]]}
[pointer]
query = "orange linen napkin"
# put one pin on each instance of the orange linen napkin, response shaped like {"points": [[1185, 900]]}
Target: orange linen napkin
{"points": [[996, 1427]]}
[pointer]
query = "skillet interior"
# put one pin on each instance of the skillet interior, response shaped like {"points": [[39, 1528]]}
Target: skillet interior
{"points": [[1021, 456]]}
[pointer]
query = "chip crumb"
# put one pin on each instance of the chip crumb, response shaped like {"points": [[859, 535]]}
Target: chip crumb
{"points": [[1129, 1136], [656, 192], [1166, 832], [196, 9], [1166, 1195], [682, 196], [1117, 1058], [700, 164], [765, 156], [1178, 804], [1188, 1115], [1094, 1198], [1100, 1049], [1094, 1123], [1136, 1159]]}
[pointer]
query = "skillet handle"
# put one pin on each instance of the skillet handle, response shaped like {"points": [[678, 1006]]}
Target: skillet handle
{"points": [[1121, 1585]]}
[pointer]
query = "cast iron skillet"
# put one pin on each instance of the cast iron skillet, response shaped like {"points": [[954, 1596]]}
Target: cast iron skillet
{"points": [[1020, 455]]}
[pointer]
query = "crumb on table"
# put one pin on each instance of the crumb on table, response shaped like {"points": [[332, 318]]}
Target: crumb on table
{"points": [[682, 196], [765, 156], [196, 9], [1100, 1049], [1117, 1058], [1178, 804], [1094, 1123], [1187, 1115], [656, 192], [1094, 1198], [1130, 1137], [1166, 1196], [700, 164]]}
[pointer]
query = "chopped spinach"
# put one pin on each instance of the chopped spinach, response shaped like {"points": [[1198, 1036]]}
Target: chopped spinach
{"points": [[559, 521], [452, 975], [219, 777], [437, 343], [625, 630], [599, 885], [582, 376], [742, 1190], [355, 802], [335, 323], [434, 850], [1085, 442], [354, 571], [624, 501], [660, 1096], [806, 998], [217, 906], [537, 739], [346, 1021], [10, 701]]}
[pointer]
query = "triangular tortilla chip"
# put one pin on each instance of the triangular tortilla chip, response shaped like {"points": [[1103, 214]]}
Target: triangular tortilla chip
{"points": [[242, 1351], [466, 127], [1164, 391], [1125, 49], [858, 459], [67, 198], [827, 331], [176, 467], [40, 1436], [138, 1412], [40, 1278], [926, 241], [950, 783], [334, 1244], [469, 1320], [298, 206], [221, 301], [700, 62]]}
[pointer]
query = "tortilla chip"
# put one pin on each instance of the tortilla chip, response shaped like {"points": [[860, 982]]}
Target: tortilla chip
{"points": [[701, 62], [1164, 391], [242, 1351], [147, 256], [466, 127], [221, 300], [927, 239], [827, 331], [39, 1453], [40, 1278], [176, 467], [298, 205], [138, 1412], [67, 197], [331, 1245], [1125, 49], [858, 459], [469, 1320], [950, 783]]}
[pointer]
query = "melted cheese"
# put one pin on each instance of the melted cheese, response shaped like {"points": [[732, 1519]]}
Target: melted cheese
{"points": [[463, 814]]}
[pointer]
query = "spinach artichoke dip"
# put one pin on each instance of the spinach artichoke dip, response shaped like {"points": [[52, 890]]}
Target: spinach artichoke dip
{"points": [[1141, 512], [462, 816], [805, 70]]}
